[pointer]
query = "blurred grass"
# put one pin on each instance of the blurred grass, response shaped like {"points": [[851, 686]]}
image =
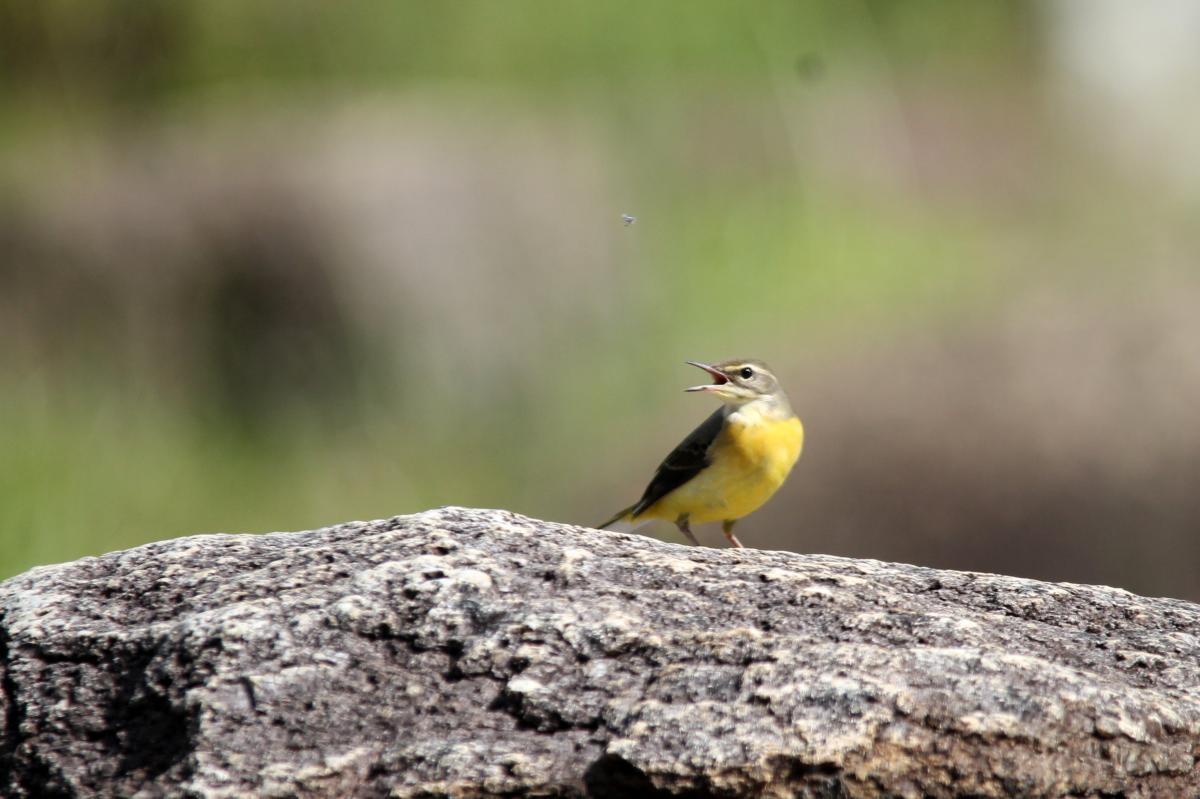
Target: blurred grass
{"points": [[811, 180], [173, 47], [92, 466]]}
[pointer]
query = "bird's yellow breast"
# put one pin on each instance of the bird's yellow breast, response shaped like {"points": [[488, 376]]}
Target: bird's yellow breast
{"points": [[749, 460]]}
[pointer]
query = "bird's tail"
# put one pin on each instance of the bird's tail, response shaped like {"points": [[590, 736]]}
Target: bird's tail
{"points": [[620, 516]]}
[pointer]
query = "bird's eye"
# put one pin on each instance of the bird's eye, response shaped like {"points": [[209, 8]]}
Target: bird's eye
{"points": [[747, 373]]}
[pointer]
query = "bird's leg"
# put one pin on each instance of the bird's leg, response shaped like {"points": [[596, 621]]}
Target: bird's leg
{"points": [[682, 524], [727, 529]]}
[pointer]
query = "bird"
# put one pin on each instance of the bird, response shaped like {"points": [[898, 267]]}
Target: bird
{"points": [[733, 462]]}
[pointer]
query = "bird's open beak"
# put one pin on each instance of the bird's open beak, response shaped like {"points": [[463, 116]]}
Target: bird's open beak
{"points": [[719, 379]]}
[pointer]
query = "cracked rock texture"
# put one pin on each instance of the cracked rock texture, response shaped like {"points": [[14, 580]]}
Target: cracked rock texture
{"points": [[478, 653]]}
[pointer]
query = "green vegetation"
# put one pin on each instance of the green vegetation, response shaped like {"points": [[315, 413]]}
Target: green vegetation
{"points": [[189, 344]]}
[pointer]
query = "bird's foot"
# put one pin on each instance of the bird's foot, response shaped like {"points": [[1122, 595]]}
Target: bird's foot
{"points": [[686, 529]]}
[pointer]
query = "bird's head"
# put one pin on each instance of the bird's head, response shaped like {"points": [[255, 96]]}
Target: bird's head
{"points": [[741, 381]]}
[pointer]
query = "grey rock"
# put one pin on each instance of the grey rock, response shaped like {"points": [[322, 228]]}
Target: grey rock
{"points": [[479, 653]]}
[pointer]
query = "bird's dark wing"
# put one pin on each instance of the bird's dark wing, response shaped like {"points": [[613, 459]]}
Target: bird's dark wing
{"points": [[685, 462]]}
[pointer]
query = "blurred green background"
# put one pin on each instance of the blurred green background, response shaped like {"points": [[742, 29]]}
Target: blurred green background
{"points": [[275, 265]]}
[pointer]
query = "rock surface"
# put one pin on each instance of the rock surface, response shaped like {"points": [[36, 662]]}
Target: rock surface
{"points": [[479, 653]]}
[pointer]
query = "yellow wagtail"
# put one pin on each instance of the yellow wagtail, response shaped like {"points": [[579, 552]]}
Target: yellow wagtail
{"points": [[733, 462]]}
